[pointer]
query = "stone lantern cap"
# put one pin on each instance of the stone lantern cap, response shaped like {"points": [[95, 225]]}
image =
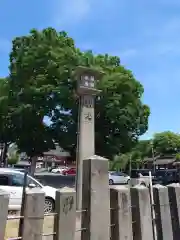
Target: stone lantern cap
{"points": [[86, 80], [90, 71]]}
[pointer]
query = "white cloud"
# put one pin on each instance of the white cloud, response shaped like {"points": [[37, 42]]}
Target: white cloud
{"points": [[70, 12]]}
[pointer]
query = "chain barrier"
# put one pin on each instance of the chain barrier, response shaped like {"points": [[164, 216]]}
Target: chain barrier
{"points": [[16, 238], [11, 218], [80, 211]]}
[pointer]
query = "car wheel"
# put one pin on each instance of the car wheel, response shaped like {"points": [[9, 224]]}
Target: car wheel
{"points": [[128, 181], [49, 205], [111, 182], [143, 184]]}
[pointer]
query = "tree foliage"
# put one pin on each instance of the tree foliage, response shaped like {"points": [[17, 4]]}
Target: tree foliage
{"points": [[144, 148], [163, 143], [42, 66], [177, 157], [7, 133], [166, 142], [5, 112], [31, 94], [119, 162], [13, 159]]}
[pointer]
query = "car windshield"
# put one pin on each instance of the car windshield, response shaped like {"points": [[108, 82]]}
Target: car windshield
{"points": [[33, 181], [118, 174], [18, 180], [166, 173]]}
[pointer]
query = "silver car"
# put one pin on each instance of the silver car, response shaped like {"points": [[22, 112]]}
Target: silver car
{"points": [[118, 178]]}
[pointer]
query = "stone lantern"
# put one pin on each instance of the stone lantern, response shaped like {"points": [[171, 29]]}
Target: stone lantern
{"points": [[86, 90]]}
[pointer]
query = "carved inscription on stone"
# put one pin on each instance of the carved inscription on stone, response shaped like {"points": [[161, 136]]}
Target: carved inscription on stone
{"points": [[67, 204], [88, 101], [88, 116]]}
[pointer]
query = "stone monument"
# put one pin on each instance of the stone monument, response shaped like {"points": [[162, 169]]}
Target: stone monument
{"points": [[86, 90]]}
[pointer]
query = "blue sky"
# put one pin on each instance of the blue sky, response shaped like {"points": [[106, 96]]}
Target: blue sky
{"points": [[144, 33]]}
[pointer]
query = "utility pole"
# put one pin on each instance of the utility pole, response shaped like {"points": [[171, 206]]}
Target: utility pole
{"points": [[152, 150], [130, 164], [1, 153]]}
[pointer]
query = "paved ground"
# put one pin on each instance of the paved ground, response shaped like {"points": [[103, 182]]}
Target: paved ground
{"points": [[12, 228], [77, 234]]}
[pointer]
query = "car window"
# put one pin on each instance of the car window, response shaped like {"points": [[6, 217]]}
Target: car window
{"points": [[4, 180], [113, 173], [134, 174], [118, 174], [158, 173], [17, 180], [144, 173], [123, 174]]}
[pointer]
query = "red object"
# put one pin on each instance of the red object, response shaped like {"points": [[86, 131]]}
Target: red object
{"points": [[70, 171]]}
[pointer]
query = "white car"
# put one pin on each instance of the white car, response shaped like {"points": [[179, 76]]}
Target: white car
{"points": [[59, 170], [12, 182], [118, 178]]}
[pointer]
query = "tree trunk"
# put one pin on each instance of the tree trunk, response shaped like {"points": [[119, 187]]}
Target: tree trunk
{"points": [[33, 165], [4, 155]]}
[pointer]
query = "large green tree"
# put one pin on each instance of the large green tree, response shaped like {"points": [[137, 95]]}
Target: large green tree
{"points": [[42, 66], [144, 147], [7, 132], [166, 142]]}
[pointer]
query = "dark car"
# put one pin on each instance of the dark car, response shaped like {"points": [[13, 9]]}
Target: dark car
{"points": [[135, 173], [160, 176], [167, 176], [141, 176]]}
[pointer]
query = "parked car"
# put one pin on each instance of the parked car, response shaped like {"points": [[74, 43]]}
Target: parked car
{"points": [[135, 173], [59, 169], [12, 182], [141, 177], [167, 176], [118, 178], [160, 176], [21, 170], [50, 169], [22, 167], [69, 171]]}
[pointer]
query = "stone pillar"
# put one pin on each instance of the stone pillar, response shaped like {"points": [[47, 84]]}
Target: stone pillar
{"points": [[4, 202], [162, 213], [86, 90], [85, 139], [33, 215], [95, 199], [65, 220], [141, 213], [121, 216], [174, 197]]}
